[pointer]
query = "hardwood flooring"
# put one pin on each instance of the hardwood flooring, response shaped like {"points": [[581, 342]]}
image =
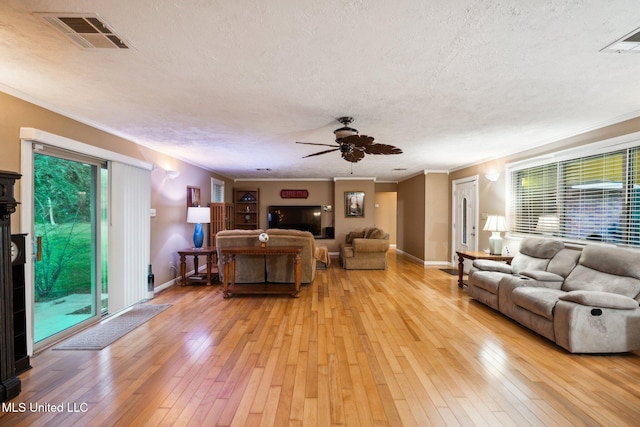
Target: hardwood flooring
{"points": [[358, 348]]}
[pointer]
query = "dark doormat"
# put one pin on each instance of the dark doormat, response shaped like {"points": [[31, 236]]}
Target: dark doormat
{"points": [[452, 271]]}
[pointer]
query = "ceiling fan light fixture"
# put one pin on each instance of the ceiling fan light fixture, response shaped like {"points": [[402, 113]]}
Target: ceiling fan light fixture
{"points": [[344, 132]]}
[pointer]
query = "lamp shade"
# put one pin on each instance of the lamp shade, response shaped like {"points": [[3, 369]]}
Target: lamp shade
{"points": [[495, 223], [198, 215]]}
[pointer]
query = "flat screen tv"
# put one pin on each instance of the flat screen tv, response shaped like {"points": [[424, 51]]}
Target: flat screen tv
{"points": [[304, 218]]}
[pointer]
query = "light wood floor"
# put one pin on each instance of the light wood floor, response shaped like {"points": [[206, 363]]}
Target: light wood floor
{"points": [[358, 348]]}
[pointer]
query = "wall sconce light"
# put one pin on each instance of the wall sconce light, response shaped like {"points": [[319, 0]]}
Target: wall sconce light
{"points": [[173, 174], [492, 176]]}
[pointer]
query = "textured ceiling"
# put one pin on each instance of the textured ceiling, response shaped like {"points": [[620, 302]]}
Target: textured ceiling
{"points": [[231, 86]]}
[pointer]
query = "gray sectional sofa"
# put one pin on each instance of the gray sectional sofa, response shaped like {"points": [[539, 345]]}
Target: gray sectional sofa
{"points": [[586, 301]]}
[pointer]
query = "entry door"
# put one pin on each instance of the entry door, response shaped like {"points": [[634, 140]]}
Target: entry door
{"points": [[68, 285], [465, 217]]}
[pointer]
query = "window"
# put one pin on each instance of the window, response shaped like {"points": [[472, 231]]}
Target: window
{"points": [[588, 198], [217, 191]]}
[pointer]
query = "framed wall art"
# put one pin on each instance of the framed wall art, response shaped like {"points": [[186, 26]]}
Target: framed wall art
{"points": [[193, 197], [354, 204]]}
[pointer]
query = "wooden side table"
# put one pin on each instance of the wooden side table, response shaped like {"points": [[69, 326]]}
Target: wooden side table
{"points": [[229, 268], [196, 277], [473, 255]]}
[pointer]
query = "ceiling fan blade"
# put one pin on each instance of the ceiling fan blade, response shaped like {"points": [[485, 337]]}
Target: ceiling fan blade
{"points": [[321, 152], [315, 143], [354, 155], [357, 140], [381, 149]]}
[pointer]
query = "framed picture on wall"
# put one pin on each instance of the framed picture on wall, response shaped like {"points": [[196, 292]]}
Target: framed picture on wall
{"points": [[354, 204], [193, 197]]}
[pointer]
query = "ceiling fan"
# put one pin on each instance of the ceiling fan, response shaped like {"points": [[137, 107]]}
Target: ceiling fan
{"points": [[353, 146]]}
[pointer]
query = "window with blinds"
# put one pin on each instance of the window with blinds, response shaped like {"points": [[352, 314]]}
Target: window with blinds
{"points": [[217, 191], [591, 198]]}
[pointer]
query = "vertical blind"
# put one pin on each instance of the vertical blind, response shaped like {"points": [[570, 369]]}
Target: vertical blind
{"points": [[591, 198], [129, 235]]}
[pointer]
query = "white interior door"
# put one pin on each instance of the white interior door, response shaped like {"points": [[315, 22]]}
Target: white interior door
{"points": [[465, 217]]}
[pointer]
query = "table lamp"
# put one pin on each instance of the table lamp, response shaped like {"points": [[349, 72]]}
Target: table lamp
{"points": [[198, 216], [495, 224]]}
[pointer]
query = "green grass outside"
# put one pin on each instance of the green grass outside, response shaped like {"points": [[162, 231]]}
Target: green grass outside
{"points": [[73, 250]]}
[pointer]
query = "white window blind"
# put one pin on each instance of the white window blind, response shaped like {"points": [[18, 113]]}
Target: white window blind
{"points": [[591, 198]]}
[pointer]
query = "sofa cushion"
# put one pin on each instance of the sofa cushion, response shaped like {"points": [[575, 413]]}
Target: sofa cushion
{"points": [[540, 301], [522, 262], [601, 299], [535, 253], [370, 245], [253, 234], [612, 260], [288, 232], [564, 262], [606, 269], [490, 265], [540, 248], [586, 279], [542, 276], [487, 280]]}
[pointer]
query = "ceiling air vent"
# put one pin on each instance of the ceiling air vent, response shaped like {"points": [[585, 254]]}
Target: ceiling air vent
{"points": [[627, 44], [86, 30]]}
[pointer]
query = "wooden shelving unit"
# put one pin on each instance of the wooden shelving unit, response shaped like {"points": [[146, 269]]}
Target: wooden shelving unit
{"points": [[222, 218], [247, 208]]}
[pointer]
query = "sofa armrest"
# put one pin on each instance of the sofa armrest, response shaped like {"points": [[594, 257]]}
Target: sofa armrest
{"points": [[370, 245], [600, 299], [542, 276], [490, 265]]}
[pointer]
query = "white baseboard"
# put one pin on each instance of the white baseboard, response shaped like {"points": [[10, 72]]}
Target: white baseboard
{"points": [[165, 285], [409, 256], [425, 263], [175, 281]]}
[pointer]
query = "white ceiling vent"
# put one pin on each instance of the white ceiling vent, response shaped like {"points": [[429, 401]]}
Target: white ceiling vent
{"points": [[86, 30], [627, 44]]}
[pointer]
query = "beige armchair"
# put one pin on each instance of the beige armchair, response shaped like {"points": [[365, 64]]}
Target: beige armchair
{"points": [[365, 250]]}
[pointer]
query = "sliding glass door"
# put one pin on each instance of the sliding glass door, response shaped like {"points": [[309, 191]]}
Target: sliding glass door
{"points": [[69, 237]]}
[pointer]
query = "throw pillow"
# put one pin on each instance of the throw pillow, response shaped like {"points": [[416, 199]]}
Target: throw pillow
{"points": [[377, 234], [354, 235]]}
